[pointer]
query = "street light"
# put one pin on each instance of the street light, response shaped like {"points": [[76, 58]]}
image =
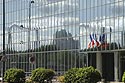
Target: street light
{"points": [[85, 54], [110, 38], [10, 36], [37, 34], [4, 53], [37, 37], [85, 26], [29, 24]]}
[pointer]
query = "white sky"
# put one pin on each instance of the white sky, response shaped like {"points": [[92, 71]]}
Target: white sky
{"points": [[39, 12]]}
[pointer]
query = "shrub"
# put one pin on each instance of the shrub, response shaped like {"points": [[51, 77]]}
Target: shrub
{"points": [[14, 75], [70, 75], [89, 75], [83, 75], [61, 79], [28, 80], [49, 74], [123, 77], [41, 74]]}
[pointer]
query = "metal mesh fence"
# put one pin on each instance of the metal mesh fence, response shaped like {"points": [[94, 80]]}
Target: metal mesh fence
{"points": [[56, 34]]}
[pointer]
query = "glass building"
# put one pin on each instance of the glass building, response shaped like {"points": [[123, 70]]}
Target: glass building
{"points": [[63, 34]]}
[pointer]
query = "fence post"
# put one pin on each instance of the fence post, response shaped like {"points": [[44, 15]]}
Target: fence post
{"points": [[3, 63]]}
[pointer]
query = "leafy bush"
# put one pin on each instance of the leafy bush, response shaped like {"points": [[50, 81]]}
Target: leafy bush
{"points": [[89, 75], [123, 77], [70, 75], [28, 80], [82, 75], [61, 79], [14, 75], [41, 74]]}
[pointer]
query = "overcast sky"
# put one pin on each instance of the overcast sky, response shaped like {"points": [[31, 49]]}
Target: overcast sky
{"points": [[43, 14]]}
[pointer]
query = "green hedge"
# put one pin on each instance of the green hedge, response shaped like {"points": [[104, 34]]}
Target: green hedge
{"points": [[14, 75], [123, 77], [41, 74], [70, 75], [82, 75]]}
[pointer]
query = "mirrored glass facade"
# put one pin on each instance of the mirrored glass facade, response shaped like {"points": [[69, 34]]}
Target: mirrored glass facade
{"points": [[58, 33]]}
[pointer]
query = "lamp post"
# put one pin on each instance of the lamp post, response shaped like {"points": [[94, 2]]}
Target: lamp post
{"points": [[29, 24], [85, 26], [10, 36], [110, 33], [110, 38], [85, 58], [37, 37], [3, 65], [79, 38]]}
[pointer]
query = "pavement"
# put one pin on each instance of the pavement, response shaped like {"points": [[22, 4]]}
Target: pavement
{"points": [[56, 81], [103, 81]]}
